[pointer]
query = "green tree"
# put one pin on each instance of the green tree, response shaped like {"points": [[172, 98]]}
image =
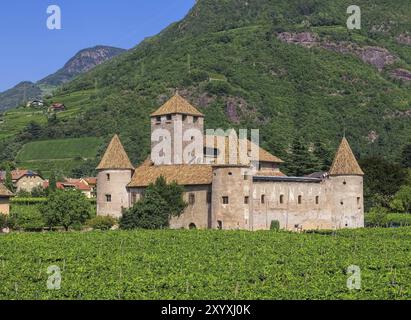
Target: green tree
{"points": [[52, 182], [161, 201], [324, 155], [9, 180], [66, 208], [402, 200], [301, 161], [406, 156], [382, 181]]}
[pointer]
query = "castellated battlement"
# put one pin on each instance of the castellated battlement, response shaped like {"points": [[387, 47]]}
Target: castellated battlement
{"points": [[240, 196]]}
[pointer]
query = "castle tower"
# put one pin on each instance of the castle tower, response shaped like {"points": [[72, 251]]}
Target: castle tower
{"points": [[346, 197], [114, 173], [177, 116]]}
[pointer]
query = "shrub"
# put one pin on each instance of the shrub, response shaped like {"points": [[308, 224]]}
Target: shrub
{"points": [[275, 225], [101, 223], [376, 217], [3, 221], [26, 218], [402, 200]]}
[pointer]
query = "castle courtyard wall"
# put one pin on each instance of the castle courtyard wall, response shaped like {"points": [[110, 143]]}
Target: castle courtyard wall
{"points": [[281, 203]]}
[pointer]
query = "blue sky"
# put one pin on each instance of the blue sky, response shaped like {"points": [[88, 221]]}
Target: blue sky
{"points": [[30, 51]]}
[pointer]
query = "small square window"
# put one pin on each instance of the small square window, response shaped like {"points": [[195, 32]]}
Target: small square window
{"points": [[184, 118], [208, 197], [108, 197], [169, 118], [195, 119], [158, 119], [191, 198], [225, 200]]}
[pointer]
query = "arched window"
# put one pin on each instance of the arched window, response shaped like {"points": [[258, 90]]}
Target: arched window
{"points": [[192, 226]]}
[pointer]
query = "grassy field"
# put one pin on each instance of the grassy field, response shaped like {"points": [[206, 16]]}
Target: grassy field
{"points": [[60, 149], [207, 265], [57, 155]]}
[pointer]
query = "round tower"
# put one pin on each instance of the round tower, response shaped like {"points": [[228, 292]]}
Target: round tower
{"points": [[114, 174], [346, 191], [231, 198]]}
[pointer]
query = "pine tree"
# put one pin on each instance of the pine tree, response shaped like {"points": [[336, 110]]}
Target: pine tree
{"points": [[301, 161], [52, 183], [324, 156], [9, 180]]}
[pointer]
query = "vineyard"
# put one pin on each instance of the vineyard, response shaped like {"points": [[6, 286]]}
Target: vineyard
{"points": [[207, 265]]}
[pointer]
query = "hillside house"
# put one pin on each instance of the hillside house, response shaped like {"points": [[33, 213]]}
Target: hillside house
{"points": [[5, 196], [23, 180], [35, 104], [76, 184], [56, 107]]}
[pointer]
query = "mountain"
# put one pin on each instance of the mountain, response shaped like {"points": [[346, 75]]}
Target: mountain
{"points": [[290, 68], [82, 62], [15, 96]]}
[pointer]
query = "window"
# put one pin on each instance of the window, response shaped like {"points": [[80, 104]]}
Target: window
{"points": [[262, 199], [195, 119], [317, 200], [108, 176], [184, 117], [192, 226], [282, 199], [169, 117], [345, 182], [158, 119], [225, 200], [358, 201], [230, 173], [246, 200], [133, 197], [246, 177], [108, 197], [300, 199], [208, 197], [191, 198]]}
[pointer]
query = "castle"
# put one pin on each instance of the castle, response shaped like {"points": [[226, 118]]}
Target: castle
{"points": [[242, 195]]}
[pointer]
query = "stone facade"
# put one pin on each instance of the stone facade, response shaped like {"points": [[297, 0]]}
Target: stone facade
{"points": [[236, 197], [29, 182], [5, 206]]}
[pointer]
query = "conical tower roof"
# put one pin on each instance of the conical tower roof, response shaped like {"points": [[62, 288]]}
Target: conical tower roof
{"points": [[177, 105], [115, 157], [345, 162]]}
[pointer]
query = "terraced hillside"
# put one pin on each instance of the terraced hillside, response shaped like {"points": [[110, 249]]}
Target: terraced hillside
{"points": [[290, 68], [58, 155]]}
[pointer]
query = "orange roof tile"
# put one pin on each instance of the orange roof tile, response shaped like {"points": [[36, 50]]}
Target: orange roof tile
{"points": [[115, 157], [345, 162]]}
